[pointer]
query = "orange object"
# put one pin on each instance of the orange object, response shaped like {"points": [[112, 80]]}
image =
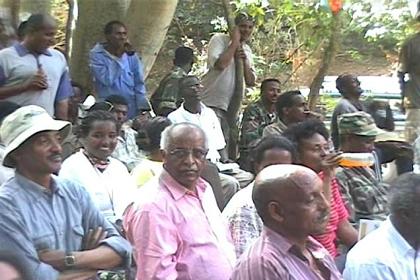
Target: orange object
{"points": [[357, 160], [336, 5]]}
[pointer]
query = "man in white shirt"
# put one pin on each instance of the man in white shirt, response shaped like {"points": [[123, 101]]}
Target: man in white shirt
{"points": [[390, 252], [194, 111]]}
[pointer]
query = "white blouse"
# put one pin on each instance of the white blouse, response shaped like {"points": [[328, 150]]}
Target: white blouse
{"points": [[111, 190]]}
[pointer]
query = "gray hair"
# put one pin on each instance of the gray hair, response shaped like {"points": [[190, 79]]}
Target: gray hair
{"points": [[405, 193], [167, 134]]}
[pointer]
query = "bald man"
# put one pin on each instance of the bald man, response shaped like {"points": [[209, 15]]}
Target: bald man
{"points": [[176, 226], [290, 202]]}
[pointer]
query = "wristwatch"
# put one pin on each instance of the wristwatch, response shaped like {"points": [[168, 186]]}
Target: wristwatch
{"points": [[69, 261]]}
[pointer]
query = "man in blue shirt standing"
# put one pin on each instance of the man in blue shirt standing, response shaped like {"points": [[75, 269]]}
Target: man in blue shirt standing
{"points": [[117, 69], [51, 222]]}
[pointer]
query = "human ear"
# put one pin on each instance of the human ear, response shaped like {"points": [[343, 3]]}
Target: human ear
{"points": [[275, 212]]}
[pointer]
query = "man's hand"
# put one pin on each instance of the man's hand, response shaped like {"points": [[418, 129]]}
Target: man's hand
{"points": [[36, 82], [93, 238], [55, 258], [240, 53]]}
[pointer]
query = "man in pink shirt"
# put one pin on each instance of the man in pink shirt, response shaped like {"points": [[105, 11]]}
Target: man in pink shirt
{"points": [[175, 227], [290, 201]]}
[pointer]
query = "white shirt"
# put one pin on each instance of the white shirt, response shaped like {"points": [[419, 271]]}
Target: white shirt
{"points": [[209, 122], [219, 85], [383, 254], [111, 190]]}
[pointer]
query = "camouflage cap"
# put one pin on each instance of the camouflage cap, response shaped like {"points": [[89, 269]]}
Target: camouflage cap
{"points": [[359, 123]]}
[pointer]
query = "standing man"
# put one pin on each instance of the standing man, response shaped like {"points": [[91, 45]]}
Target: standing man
{"points": [[32, 73], [176, 226], [166, 98], [256, 117], [53, 223], [409, 78], [219, 81], [117, 69], [291, 203]]}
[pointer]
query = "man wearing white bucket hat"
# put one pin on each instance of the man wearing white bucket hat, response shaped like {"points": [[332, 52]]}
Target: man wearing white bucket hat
{"points": [[51, 222]]}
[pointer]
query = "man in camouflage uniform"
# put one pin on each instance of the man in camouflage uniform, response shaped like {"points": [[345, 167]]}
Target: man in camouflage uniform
{"points": [[166, 99], [363, 194], [256, 117]]}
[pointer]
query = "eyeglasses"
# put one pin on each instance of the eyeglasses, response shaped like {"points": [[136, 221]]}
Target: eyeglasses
{"points": [[183, 153]]}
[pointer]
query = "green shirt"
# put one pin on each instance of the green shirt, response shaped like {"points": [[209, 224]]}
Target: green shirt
{"points": [[363, 195], [255, 119], [166, 95]]}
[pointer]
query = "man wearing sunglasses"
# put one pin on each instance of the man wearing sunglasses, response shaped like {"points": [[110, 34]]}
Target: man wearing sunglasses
{"points": [[175, 225]]}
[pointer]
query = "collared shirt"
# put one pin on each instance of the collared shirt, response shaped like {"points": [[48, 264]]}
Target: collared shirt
{"points": [[363, 195], [127, 150], [383, 254], [275, 129], [209, 122], [167, 94], [409, 63], [17, 65], [177, 233], [273, 257], [255, 119], [119, 75], [34, 219], [219, 85], [112, 189]]}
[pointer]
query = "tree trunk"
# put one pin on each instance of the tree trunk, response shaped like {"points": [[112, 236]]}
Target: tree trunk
{"points": [[236, 101], [327, 58], [69, 23], [148, 21], [36, 6], [13, 7], [92, 17]]}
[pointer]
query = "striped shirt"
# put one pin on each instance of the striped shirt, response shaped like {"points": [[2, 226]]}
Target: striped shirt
{"points": [[338, 213], [273, 257]]}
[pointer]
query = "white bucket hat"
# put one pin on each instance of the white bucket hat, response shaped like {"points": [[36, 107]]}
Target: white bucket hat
{"points": [[23, 123]]}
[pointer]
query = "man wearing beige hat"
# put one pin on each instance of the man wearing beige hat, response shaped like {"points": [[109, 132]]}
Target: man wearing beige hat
{"points": [[363, 193], [51, 222]]}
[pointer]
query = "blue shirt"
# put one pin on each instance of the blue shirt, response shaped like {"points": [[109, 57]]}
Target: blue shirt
{"points": [[33, 219], [119, 75], [18, 64]]}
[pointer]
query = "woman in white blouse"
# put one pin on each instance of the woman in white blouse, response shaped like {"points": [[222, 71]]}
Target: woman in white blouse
{"points": [[105, 178]]}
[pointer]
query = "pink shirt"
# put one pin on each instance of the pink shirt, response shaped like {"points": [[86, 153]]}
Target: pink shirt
{"points": [[177, 234], [273, 257], [338, 213]]}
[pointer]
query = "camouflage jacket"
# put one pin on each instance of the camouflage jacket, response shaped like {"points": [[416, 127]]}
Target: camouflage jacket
{"points": [[166, 95], [255, 119], [363, 195]]}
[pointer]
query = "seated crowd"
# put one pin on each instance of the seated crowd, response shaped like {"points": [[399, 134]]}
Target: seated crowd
{"points": [[125, 189]]}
